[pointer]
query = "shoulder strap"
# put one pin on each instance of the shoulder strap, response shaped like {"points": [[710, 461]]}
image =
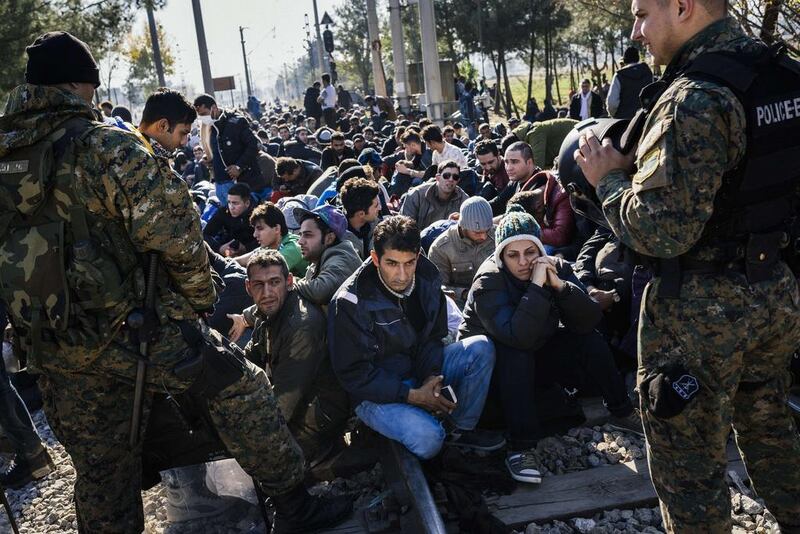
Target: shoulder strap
{"points": [[733, 71]]}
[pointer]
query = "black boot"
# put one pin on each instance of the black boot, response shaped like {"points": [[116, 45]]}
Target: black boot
{"points": [[300, 512], [25, 469]]}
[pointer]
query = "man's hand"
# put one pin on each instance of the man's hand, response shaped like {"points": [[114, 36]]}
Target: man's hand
{"points": [[227, 249], [428, 396], [597, 161], [238, 328], [606, 299], [233, 171], [401, 167]]}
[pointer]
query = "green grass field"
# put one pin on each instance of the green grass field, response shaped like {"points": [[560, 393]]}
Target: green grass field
{"points": [[519, 89]]}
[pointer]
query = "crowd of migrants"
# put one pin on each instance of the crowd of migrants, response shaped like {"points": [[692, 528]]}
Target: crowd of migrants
{"points": [[314, 220], [292, 203]]}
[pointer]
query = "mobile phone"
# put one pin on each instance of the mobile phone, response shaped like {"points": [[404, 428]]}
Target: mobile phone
{"points": [[235, 244], [448, 393]]}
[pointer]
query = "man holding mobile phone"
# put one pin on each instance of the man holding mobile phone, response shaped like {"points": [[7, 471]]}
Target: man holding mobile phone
{"points": [[385, 330]]}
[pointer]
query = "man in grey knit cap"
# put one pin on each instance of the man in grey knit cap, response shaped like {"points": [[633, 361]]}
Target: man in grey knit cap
{"points": [[460, 251]]}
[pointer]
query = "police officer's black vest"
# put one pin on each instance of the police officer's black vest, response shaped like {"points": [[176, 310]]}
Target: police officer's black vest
{"points": [[756, 215]]}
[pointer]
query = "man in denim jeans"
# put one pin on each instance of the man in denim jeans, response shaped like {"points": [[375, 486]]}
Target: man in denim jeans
{"points": [[385, 330]]}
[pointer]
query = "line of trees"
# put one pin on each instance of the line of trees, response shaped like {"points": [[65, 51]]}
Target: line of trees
{"points": [[555, 38], [105, 25]]}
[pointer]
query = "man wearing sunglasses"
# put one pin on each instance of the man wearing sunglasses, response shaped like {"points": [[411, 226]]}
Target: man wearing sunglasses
{"points": [[435, 200]]}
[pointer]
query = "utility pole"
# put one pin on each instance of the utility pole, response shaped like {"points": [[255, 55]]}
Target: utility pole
{"points": [[151, 21], [286, 80], [320, 53], [399, 55], [375, 46], [246, 71], [430, 62], [208, 83], [310, 47]]}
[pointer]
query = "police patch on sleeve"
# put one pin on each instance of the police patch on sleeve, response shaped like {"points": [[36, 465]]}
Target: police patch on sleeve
{"points": [[652, 173], [652, 161]]}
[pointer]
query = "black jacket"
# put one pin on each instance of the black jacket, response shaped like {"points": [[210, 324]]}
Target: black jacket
{"points": [[312, 107], [298, 150], [595, 106], [500, 202], [331, 159], [523, 315], [238, 145], [632, 79], [222, 227], [308, 174], [373, 344]]}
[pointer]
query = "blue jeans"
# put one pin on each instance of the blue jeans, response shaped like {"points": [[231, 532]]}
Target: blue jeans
{"points": [[468, 368], [221, 190], [260, 196], [15, 419]]}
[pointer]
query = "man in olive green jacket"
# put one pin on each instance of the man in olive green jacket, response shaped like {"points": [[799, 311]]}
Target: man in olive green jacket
{"points": [[289, 341]]}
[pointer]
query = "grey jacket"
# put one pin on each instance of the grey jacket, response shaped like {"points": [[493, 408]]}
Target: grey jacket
{"points": [[423, 205], [458, 259], [323, 279]]}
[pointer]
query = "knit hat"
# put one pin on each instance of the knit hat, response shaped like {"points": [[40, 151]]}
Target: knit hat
{"points": [[475, 215], [517, 225], [59, 57]]}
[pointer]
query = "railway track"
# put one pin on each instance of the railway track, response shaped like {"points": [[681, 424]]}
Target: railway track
{"points": [[408, 506]]}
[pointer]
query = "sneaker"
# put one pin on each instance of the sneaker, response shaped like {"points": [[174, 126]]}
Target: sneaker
{"points": [[524, 466], [476, 439], [25, 469], [628, 423]]}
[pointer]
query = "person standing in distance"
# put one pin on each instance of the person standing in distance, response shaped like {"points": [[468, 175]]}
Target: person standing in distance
{"points": [[699, 373], [327, 98]]}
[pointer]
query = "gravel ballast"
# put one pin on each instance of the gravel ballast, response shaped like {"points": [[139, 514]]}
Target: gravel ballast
{"points": [[46, 505]]}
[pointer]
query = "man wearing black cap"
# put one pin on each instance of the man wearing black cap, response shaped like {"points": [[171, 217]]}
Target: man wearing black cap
{"points": [[108, 205]]}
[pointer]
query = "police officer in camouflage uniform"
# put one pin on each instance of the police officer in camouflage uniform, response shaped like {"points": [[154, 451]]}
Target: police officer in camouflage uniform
{"points": [[114, 203], [714, 347]]}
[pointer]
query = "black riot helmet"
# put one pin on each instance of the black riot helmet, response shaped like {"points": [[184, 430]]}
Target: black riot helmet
{"points": [[582, 196]]}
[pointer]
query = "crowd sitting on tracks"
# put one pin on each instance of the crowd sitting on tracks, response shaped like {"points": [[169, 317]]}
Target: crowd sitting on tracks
{"points": [[435, 285], [386, 259], [383, 266]]}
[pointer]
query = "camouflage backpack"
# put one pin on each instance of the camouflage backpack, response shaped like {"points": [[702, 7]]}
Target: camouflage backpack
{"points": [[64, 291]]}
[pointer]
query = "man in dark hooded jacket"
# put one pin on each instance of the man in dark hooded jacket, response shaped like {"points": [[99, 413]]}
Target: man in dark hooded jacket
{"points": [[628, 82]]}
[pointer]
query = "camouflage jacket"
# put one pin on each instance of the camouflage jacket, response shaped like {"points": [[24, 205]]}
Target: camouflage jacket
{"points": [[127, 190], [695, 134]]}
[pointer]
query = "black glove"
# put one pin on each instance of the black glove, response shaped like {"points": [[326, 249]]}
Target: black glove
{"points": [[669, 391]]}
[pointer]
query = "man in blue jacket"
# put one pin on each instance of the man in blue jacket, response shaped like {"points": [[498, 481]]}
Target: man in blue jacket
{"points": [[385, 331]]}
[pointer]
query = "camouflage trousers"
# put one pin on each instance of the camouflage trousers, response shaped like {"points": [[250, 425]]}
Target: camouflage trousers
{"points": [[90, 413], [737, 340]]}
